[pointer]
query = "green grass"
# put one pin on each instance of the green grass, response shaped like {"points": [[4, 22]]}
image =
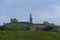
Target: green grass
{"points": [[28, 35]]}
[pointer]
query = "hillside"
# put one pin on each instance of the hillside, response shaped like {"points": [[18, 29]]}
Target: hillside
{"points": [[28, 35]]}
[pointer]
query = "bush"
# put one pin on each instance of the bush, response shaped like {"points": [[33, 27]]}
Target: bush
{"points": [[48, 28]]}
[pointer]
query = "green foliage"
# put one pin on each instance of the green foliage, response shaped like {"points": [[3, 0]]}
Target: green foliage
{"points": [[52, 27], [28, 35], [16, 26], [40, 26]]}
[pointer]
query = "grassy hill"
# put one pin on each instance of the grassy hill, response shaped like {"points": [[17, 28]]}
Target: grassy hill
{"points": [[28, 35]]}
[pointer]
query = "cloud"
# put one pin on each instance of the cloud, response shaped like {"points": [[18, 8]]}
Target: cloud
{"points": [[53, 13], [41, 9], [4, 19], [48, 15]]}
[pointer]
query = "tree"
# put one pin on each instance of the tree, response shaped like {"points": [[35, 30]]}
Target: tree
{"points": [[49, 27]]}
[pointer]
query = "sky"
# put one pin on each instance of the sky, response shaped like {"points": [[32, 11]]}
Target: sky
{"points": [[41, 10]]}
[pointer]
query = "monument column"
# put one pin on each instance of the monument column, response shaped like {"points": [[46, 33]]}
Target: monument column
{"points": [[31, 23], [30, 18]]}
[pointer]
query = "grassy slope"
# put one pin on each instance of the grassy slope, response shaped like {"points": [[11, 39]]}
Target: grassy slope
{"points": [[28, 35]]}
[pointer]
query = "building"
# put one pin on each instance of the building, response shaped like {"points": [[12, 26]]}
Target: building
{"points": [[15, 25]]}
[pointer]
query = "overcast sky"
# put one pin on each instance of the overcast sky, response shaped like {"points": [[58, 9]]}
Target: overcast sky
{"points": [[41, 10]]}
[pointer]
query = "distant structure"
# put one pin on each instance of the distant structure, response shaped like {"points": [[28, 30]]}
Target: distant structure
{"points": [[14, 20], [46, 23], [31, 23], [30, 18], [15, 25]]}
